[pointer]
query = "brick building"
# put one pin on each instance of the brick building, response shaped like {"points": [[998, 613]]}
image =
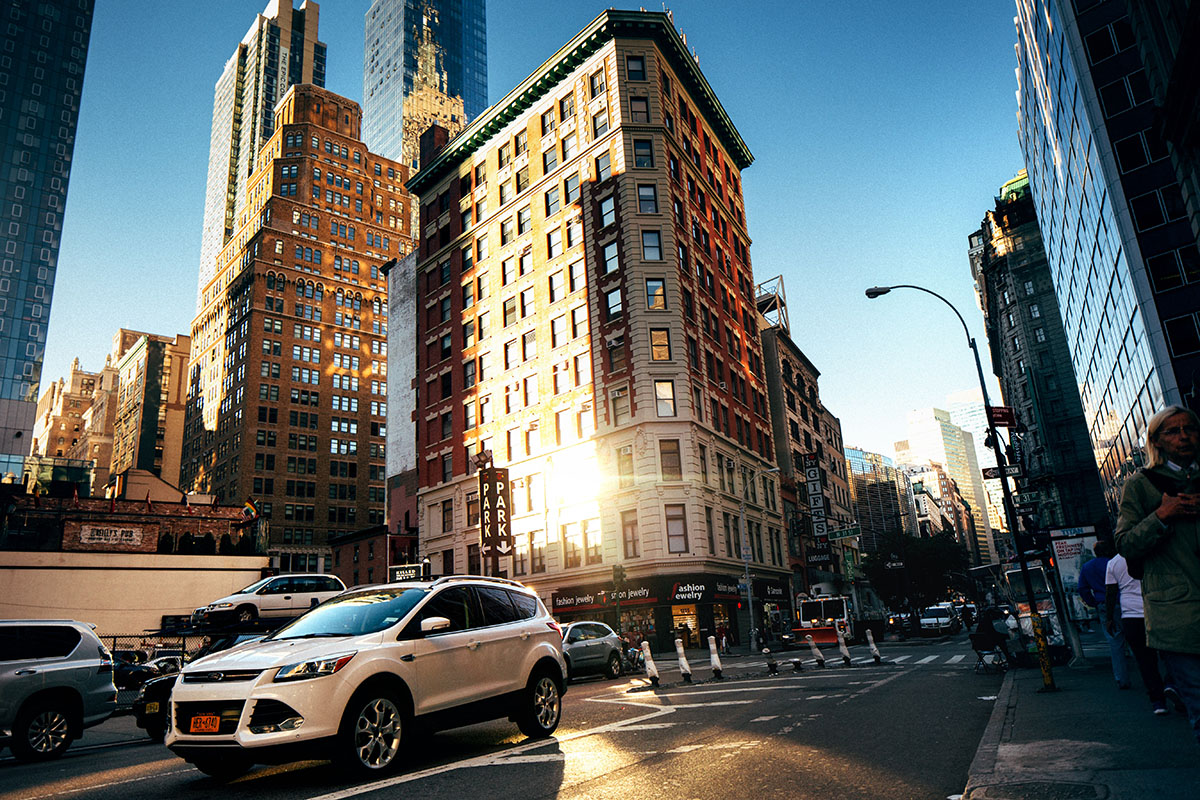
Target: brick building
{"points": [[287, 392], [585, 312]]}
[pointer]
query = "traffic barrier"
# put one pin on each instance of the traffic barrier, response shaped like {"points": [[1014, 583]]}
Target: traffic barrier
{"points": [[684, 669], [651, 667], [772, 667], [816, 652], [845, 651], [871, 644], [713, 658]]}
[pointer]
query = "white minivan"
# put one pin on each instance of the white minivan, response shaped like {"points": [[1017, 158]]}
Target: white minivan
{"points": [[281, 596], [352, 679]]}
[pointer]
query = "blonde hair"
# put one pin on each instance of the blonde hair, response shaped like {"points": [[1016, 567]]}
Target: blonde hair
{"points": [[1154, 455]]}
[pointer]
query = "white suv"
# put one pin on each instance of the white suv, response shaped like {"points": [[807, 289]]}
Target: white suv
{"points": [[281, 596], [353, 677]]}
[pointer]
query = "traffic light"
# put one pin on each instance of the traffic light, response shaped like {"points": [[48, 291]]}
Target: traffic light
{"points": [[618, 575]]}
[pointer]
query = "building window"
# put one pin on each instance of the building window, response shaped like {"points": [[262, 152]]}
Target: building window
{"points": [[651, 246], [664, 398], [629, 534], [608, 211], [677, 539], [597, 82], [660, 344], [639, 109], [600, 123], [613, 306], [647, 198], [572, 544], [612, 260], [625, 466], [635, 68], [643, 153], [656, 294], [603, 167]]}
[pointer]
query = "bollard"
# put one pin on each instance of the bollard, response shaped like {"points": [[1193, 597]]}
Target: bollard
{"points": [[871, 644], [816, 652], [651, 667], [845, 651], [797, 666], [772, 667], [713, 658], [684, 669]]}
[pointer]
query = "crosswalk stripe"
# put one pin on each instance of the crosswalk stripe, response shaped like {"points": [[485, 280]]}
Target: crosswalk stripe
{"points": [[956, 659], [926, 660], [898, 659]]}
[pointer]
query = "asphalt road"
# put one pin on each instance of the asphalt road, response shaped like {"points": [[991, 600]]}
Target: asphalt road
{"points": [[905, 729]]}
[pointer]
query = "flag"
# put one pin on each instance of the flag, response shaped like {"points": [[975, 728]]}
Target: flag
{"points": [[250, 510], [75, 501]]}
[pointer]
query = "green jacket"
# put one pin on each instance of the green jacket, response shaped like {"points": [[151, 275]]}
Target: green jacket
{"points": [[1171, 583]]}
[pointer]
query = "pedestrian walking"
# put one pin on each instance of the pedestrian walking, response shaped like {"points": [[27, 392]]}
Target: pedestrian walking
{"points": [[1158, 532], [1091, 590], [1123, 611]]}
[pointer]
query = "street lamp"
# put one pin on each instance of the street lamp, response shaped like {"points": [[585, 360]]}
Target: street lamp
{"points": [[746, 552], [1035, 619]]}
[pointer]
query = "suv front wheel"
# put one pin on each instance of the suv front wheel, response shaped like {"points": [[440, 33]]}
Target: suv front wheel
{"points": [[42, 732], [541, 706], [373, 730]]}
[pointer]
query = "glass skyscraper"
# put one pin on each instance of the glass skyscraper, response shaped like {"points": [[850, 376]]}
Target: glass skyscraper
{"points": [[424, 61], [1122, 255], [279, 49], [43, 52]]}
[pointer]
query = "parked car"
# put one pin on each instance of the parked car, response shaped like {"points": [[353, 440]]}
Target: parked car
{"points": [[129, 673], [281, 597], [56, 678], [153, 699], [591, 647], [937, 620], [354, 678]]}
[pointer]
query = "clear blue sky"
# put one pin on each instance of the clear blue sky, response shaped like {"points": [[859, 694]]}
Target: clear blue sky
{"points": [[881, 132]]}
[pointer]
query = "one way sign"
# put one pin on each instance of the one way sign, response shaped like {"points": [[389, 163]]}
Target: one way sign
{"points": [[494, 512]]}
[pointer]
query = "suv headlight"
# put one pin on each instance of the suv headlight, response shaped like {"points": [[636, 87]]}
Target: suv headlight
{"points": [[221, 605], [316, 668]]}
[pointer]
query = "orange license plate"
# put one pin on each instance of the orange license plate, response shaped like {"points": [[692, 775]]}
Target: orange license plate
{"points": [[205, 723]]}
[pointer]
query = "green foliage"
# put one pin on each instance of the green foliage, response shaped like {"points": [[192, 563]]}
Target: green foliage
{"points": [[930, 568]]}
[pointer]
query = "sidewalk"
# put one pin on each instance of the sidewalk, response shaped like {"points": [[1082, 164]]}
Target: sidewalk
{"points": [[1087, 740]]}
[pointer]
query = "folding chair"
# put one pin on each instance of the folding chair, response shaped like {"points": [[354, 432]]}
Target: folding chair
{"points": [[989, 656]]}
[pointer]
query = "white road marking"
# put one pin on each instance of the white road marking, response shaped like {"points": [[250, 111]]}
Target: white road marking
{"points": [[926, 660], [815, 697], [687, 748], [765, 719], [898, 659], [62, 792], [536, 758], [650, 726], [956, 659], [874, 685]]}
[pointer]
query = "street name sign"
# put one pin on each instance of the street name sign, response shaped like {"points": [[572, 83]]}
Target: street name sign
{"points": [[844, 533], [1025, 498], [1010, 471]]}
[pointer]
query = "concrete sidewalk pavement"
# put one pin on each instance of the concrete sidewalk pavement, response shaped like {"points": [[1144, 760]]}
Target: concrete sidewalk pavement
{"points": [[1087, 740]]}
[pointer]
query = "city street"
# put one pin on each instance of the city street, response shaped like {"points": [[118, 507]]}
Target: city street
{"points": [[907, 728]]}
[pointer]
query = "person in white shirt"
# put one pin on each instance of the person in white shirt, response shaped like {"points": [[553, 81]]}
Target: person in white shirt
{"points": [[1124, 611]]}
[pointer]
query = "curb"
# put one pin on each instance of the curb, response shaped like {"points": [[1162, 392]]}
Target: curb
{"points": [[983, 765]]}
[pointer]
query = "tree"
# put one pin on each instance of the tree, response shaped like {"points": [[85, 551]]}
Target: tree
{"points": [[929, 567]]}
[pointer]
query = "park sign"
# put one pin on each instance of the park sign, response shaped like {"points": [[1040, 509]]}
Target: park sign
{"points": [[495, 506]]}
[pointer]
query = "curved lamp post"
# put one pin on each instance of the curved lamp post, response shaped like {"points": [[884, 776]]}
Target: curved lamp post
{"points": [[994, 438], [746, 553]]}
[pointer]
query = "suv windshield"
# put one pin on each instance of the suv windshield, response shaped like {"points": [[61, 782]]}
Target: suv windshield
{"points": [[254, 587], [354, 614], [936, 612]]}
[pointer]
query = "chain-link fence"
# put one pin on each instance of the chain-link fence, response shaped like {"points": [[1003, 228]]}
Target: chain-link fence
{"points": [[139, 657]]}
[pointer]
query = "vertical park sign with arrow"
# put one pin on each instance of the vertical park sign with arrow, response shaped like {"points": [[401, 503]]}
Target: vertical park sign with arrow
{"points": [[495, 497]]}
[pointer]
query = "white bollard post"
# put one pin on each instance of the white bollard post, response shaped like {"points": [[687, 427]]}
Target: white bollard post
{"points": [[713, 658], [772, 666], [797, 666], [845, 651], [684, 669], [871, 644], [651, 667], [816, 653]]}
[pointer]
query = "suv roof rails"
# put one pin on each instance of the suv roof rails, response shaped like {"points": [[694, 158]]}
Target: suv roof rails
{"points": [[492, 579]]}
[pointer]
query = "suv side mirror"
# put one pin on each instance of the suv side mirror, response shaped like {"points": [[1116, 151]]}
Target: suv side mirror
{"points": [[434, 624]]}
